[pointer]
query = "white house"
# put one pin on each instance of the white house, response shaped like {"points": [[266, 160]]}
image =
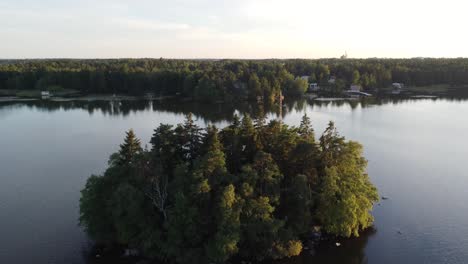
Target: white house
{"points": [[355, 88], [45, 94], [398, 86], [313, 87]]}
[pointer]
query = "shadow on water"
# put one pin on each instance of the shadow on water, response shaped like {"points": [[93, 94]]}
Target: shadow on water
{"points": [[350, 251], [207, 112], [429, 162]]}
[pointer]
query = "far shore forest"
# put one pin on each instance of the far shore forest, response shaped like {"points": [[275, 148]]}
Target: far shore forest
{"points": [[225, 80]]}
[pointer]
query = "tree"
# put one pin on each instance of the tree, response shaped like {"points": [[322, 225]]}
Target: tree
{"points": [[183, 235], [356, 77], [188, 139], [94, 214], [255, 87], [128, 217], [129, 149], [185, 200], [338, 87], [248, 139], [212, 166], [331, 143], [207, 90], [223, 245], [163, 149], [268, 177], [230, 80], [298, 204], [296, 87], [346, 194], [230, 137], [259, 228], [305, 129]]}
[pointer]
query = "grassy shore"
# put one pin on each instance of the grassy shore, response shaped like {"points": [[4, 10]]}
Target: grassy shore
{"points": [[37, 93]]}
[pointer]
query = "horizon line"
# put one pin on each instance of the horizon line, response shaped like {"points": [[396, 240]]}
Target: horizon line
{"points": [[225, 58]]}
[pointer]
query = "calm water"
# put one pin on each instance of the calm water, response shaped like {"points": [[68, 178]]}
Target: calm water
{"points": [[417, 152]]}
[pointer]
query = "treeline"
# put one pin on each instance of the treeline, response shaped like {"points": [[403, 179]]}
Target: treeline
{"points": [[251, 191], [226, 80], [201, 80]]}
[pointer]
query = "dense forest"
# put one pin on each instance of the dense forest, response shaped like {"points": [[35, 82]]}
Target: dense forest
{"points": [[253, 190], [224, 80]]}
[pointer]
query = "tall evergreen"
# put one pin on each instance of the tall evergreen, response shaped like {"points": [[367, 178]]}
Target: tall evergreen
{"points": [[212, 164], [189, 138], [330, 144], [163, 148], [230, 137], [130, 148], [226, 233], [249, 140], [305, 129]]}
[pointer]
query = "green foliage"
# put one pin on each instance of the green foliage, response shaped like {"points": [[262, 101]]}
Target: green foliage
{"points": [[295, 87], [224, 80], [346, 194], [247, 191], [356, 77], [130, 148], [305, 129], [224, 243], [94, 213]]}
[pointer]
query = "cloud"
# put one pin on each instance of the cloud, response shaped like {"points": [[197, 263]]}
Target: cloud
{"points": [[226, 28], [141, 24]]}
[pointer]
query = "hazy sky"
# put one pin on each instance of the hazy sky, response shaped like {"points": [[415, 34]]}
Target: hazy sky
{"points": [[232, 28]]}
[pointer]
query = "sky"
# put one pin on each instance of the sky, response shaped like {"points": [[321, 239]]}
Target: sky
{"points": [[232, 28]]}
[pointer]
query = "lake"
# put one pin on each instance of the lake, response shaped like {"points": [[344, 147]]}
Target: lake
{"points": [[416, 149]]}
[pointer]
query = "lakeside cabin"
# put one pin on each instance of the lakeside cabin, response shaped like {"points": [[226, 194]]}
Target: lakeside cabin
{"points": [[355, 92], [355, 88], [45, 94], [397, 88], [314, 87]]}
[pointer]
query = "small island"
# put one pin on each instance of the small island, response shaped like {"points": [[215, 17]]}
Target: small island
{"points": [[251, 191]]}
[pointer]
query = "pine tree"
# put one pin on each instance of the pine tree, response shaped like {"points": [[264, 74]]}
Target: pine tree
{"points": [[129, 149], [260, 229], [189, 139], [268, 177], [236, 122], [184, 236], [260, 119], [163, 150], [330, 144], [226, 236], [212, 165], [305, 129], [249, 141], [297, 204], [230, 137]]}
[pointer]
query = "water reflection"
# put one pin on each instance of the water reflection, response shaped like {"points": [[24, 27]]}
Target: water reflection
{"points": [[209, 112], [39, 192], [350, 251]]}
